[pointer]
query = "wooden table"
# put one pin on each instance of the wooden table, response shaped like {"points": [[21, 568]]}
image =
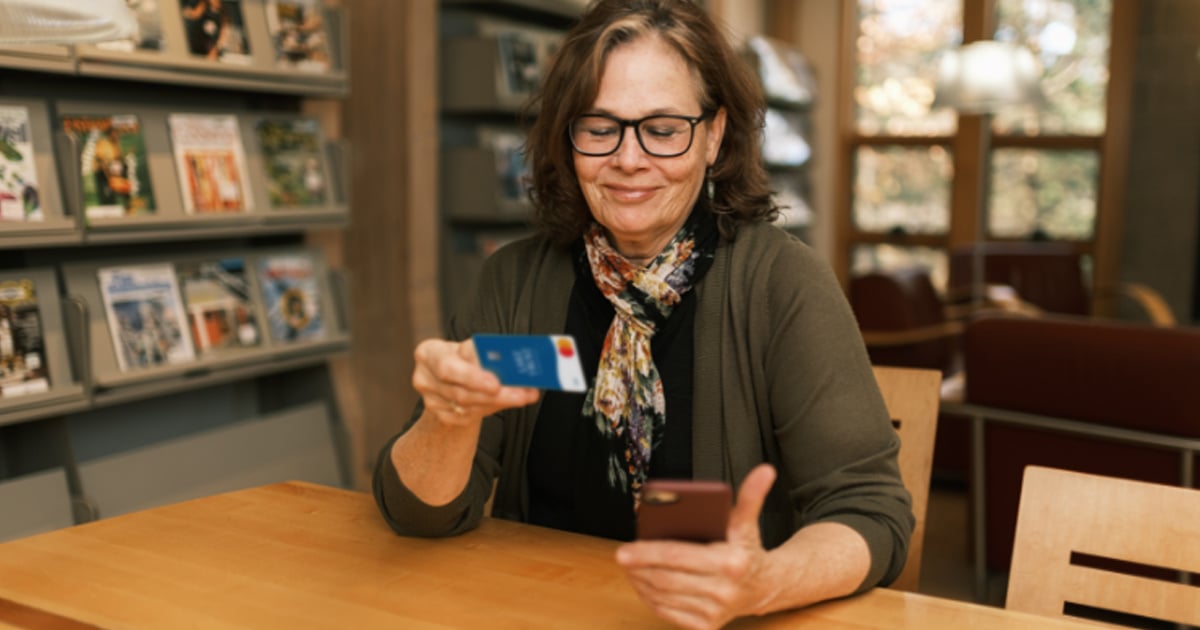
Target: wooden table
{"points": [[298, 555]]}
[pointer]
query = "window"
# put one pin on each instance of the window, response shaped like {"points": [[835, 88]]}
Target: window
{"points": [[918, 174]]}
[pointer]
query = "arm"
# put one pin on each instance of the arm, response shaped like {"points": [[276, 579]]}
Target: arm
{"points": [[829, 434], [433, 478], [705, 586], [433, 458]]}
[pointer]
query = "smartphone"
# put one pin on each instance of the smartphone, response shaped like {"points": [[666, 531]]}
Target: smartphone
{"points": [[684, 509]]}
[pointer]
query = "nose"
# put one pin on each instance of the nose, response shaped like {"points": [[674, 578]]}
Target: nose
{"points": [[629, 155]]}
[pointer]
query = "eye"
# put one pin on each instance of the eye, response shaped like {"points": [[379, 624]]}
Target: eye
{"points": [[662, 128], [596, 127]]}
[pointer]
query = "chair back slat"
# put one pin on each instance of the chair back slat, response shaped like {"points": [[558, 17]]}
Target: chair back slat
{"points": [[912, 396], [1064, 512]]}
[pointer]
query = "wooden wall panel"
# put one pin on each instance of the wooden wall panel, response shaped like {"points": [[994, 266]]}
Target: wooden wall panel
{"points": [[390, 250]]}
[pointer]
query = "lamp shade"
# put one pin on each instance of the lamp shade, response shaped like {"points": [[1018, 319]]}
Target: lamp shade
{"points": [[64, 21], [985, 76]]}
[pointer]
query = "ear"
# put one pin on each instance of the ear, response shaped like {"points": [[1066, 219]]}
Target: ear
{"points": [[716, 132]]}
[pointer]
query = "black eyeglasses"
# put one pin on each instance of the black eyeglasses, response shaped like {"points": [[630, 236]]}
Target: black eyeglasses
{"points": [[661, 135]]}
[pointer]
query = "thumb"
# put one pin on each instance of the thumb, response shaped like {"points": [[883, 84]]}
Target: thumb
{"points": [[743, 521]]}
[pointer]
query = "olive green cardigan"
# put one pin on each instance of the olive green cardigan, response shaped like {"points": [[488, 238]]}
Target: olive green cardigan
{"points": [[780, 375]]}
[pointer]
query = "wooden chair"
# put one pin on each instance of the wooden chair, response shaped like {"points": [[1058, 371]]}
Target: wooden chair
{"points": [[912, 397], [1065, 513]]}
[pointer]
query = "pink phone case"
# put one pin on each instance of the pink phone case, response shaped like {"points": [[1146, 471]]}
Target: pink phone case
{"points": [[684, 509]]}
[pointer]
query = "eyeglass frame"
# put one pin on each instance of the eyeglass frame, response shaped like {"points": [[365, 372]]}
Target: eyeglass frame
{"points": [[637, 132]]}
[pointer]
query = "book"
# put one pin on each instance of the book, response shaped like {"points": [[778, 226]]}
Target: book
{"points": [[22, 347], [19, 198], [291, 149], [148, 36], [216, 296], [114, 170], [211, 162], [145, 316], [291, 296], [215, 30], [298, 32]]}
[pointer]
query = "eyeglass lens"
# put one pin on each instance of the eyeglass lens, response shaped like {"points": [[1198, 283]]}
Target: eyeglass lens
{"points": [[662, 136]]}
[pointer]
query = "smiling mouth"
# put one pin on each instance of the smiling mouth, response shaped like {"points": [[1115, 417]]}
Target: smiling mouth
{"points": [[622, 193]]}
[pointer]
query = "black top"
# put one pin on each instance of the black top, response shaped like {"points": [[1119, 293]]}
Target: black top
{"points": [[568, 459]]}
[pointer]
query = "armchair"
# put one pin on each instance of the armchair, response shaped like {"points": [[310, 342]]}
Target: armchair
{"points": [[1048, 275], [1104, 397]]}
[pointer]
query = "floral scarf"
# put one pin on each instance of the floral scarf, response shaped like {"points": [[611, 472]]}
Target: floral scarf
{"points": [[626, 398]]}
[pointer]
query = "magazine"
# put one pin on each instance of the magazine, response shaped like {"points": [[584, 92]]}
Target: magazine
{"points": [[22, 353], [19, 199], [216, 296], [145, 316], [291, 149], [512, 170], [291, 296], [148, 36], [215, 30], [298, 31], [522, 69], [210, 161], [115, 174]]}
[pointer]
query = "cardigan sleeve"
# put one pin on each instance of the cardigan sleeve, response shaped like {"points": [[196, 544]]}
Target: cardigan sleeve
{"points": [[836, 444], [401, 509]]}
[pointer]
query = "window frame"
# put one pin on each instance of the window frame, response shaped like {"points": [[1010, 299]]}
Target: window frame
{"points": [[971, 148]]}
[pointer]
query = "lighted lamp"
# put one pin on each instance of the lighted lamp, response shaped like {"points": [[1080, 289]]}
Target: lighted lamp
{"points": [[985, 76], [64, 21], [982, 78]]}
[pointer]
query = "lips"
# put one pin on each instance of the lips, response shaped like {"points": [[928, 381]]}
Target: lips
{"points": [[630, 193]]}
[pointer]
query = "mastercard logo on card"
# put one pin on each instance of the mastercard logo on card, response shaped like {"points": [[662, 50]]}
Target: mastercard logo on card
{"points": [[541, 361]]}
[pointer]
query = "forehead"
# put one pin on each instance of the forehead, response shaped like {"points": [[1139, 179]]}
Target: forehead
{"points": [[647, 75]]}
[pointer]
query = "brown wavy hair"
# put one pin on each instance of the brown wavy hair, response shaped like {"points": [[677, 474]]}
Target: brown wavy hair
{"points": [[741, 191]]}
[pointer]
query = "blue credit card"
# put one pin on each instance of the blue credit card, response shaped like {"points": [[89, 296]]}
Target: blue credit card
{"points": [[541, 361]]}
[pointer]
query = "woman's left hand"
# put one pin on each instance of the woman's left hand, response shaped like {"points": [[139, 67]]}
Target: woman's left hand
{"points": [[706, 585]]}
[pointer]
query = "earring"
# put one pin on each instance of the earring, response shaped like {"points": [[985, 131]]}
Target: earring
{"points": [[708, 183]]}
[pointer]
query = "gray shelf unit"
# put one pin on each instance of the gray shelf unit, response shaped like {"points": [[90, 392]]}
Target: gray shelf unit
{"points": [[65, 391], [173, 64], [790, 90], [492, 55], [57, 226], [106, 377], [266, 414], [170, 221]]}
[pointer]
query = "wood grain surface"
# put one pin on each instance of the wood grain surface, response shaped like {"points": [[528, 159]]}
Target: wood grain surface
{"points": [[299, 555]]}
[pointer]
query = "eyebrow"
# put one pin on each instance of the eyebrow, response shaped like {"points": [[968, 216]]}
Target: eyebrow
{"points": [[657, 112]]}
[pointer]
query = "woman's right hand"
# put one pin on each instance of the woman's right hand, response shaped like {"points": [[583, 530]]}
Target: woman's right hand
{"points": [[455, 387]]}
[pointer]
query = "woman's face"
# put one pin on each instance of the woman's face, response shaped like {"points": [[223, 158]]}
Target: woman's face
{"points": [[639, 199]]}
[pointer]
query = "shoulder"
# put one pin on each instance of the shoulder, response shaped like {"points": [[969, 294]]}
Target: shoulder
{"points": [[514, 284], [523, 255], [763, 254]]}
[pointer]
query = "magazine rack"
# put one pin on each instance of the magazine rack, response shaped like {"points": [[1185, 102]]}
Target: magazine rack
{"points": [[55, 228], [170, 220], [41, 58], [271, 402], [64, 390], [790, 90], [495, 54], [173, 63], [112, 384]]}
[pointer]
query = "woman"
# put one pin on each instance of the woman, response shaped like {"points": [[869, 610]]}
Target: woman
{"points": [[716, 345]]}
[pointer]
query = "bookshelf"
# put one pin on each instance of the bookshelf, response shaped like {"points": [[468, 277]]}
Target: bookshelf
{"points": [[89, 432], [492, 57]]}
